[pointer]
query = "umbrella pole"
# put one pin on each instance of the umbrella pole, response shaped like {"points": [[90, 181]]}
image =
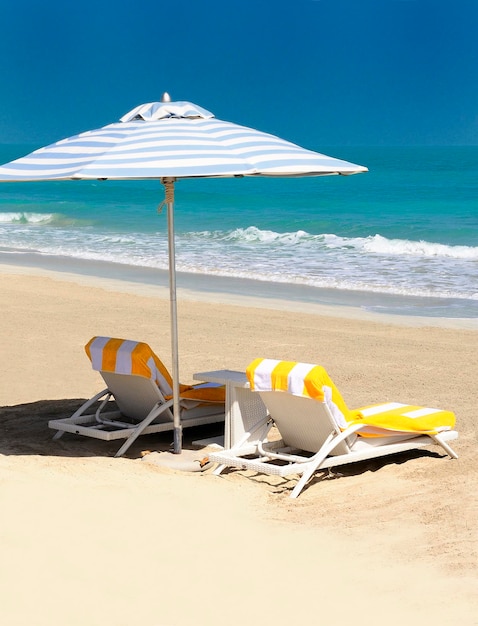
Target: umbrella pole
{"points": [[169, 188]]}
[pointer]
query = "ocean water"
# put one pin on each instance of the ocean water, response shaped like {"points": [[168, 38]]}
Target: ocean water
{"points": [[402, 238]]}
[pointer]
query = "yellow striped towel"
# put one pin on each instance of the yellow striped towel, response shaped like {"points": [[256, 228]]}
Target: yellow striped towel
{"points": [[305, 379], [402, 417], [123, 356], [298, 379]]}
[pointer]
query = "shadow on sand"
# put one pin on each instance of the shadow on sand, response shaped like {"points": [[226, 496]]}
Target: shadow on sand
{"points": [[24, 430]]}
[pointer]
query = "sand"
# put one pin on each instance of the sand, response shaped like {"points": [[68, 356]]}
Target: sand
{"points": [[87, 539]]}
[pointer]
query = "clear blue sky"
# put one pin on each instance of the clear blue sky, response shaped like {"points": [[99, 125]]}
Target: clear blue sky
{"points": [[318, 72]]}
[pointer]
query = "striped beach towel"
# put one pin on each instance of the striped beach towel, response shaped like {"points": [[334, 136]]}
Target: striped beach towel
{"points": [[403, 417], [123, 356], [298, 379], [312, 381]]}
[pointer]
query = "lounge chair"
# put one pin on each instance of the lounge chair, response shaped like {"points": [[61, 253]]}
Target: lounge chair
{"points": [[317, 429], [141, 386]]}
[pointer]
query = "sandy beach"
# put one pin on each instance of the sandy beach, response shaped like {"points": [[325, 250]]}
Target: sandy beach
{"points": [[87, 539]]}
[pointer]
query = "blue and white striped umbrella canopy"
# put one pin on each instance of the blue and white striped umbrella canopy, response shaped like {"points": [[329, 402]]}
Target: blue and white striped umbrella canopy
{"points": [[171, 140]]}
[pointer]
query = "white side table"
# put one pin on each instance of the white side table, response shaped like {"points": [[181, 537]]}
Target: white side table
{"points": [[244, 408]]}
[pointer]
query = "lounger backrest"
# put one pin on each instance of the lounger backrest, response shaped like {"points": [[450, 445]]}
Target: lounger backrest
{"points": [[303, 423], [302, 400], [134, 358], [135, 395], [132, 372]]}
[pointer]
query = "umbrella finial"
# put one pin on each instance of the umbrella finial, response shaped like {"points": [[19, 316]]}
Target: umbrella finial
{"points": [[166, 97]]}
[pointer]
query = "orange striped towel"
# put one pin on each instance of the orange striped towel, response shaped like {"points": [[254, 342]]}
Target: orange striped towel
{"points": [[123, 356]]}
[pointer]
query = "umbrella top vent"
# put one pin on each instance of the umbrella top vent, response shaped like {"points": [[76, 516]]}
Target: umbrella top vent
{"points": [[153, 111]]}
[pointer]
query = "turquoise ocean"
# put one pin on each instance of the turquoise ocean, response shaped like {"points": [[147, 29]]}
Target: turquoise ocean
{"points": [[402, 238]]}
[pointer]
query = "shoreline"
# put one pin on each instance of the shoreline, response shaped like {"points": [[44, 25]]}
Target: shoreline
{"points": [[238, 292]]}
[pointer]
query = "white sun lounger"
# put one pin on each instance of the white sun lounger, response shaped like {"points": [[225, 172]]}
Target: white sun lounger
{"points": [[141, 387], [314, 433]]}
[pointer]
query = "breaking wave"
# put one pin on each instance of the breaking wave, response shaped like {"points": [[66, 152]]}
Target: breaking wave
{"points": [[375, 244], [28, 218]]}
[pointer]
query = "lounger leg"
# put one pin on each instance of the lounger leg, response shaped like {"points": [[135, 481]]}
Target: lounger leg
{"points": [[144, 424], [301, 484], [330, 443], [219, 469], [265, 423], [307, 475], [445, 446]]}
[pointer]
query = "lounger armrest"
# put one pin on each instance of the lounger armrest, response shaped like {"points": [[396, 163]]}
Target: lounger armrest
{"points": [[333, 441], [90, 402]]}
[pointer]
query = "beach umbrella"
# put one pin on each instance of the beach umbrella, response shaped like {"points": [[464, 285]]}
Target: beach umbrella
{"points": [[169, 141]]}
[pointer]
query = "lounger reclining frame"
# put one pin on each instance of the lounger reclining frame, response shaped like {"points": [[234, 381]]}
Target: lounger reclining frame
{"points": [[141, 409], [312, 441]]}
